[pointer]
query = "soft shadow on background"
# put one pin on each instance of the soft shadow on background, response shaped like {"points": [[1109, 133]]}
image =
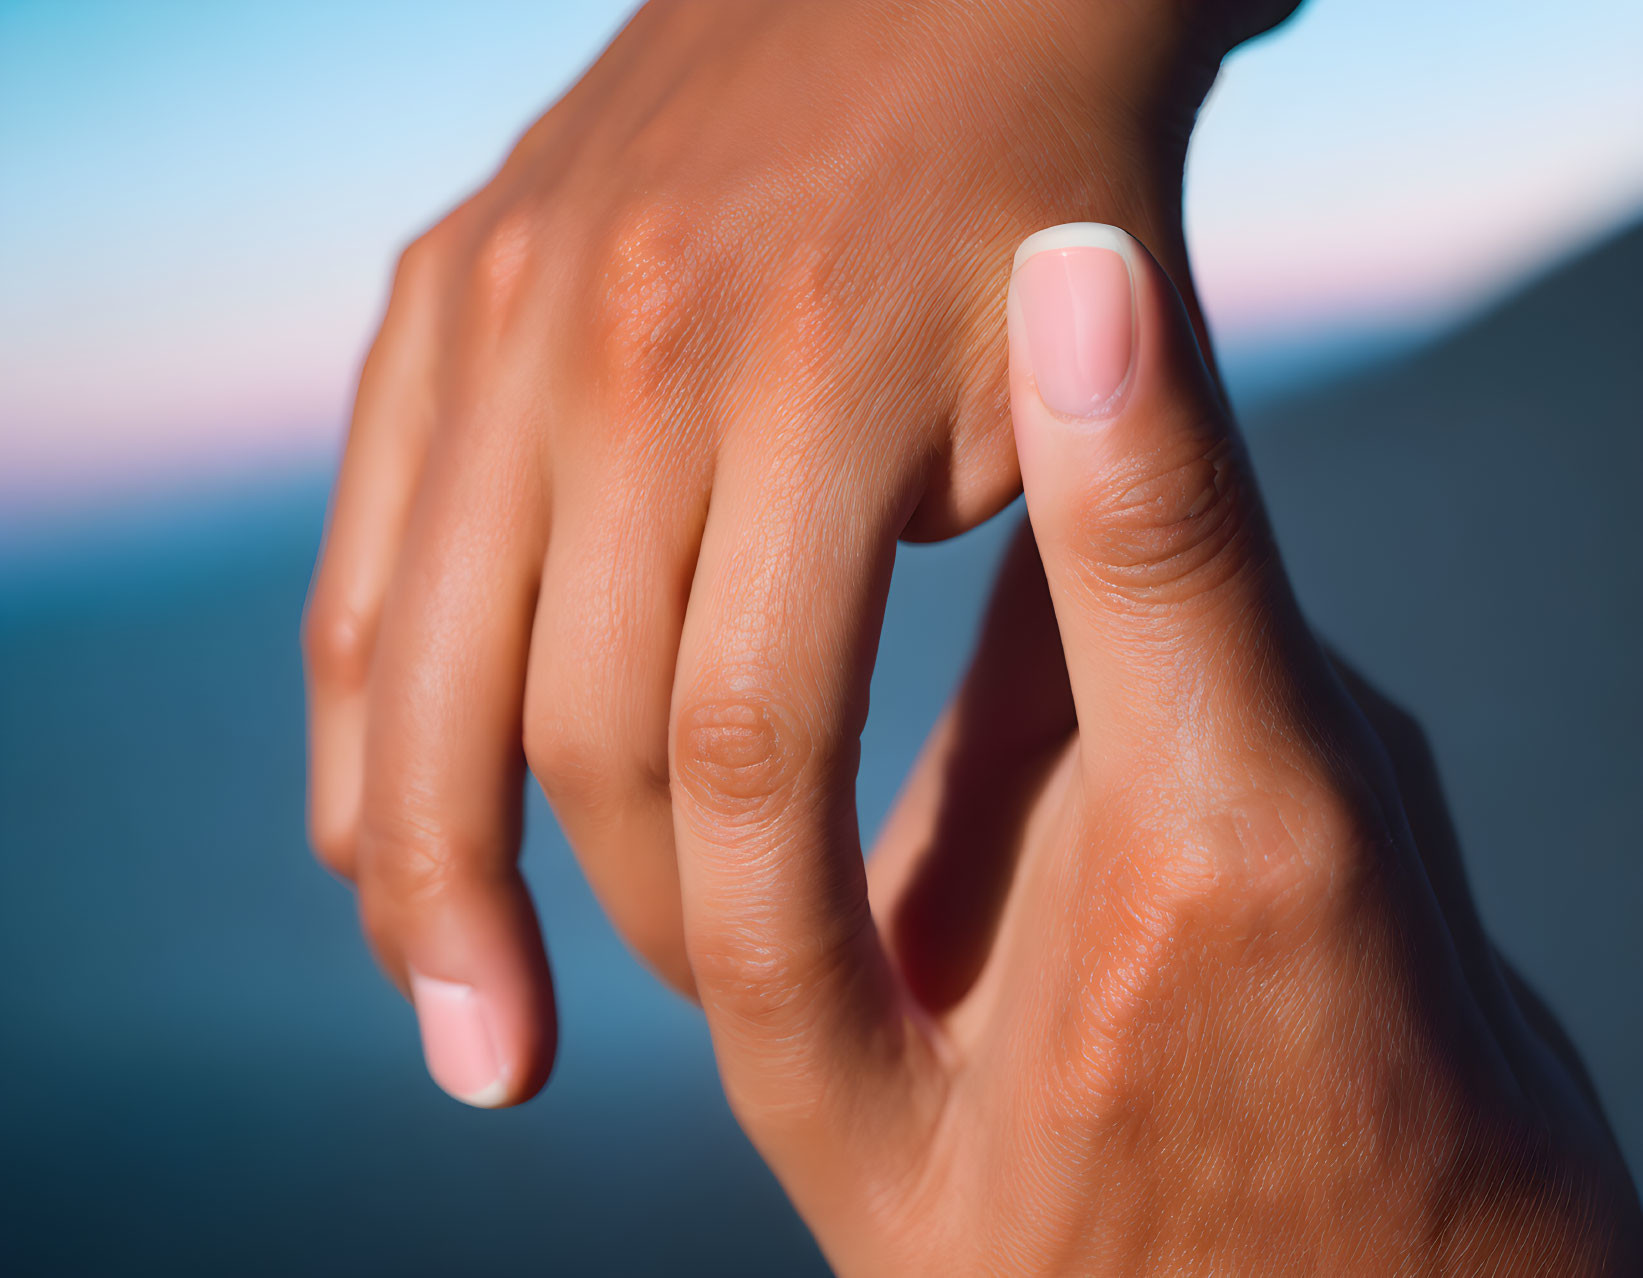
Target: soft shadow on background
{"points": [[204, 1074], [202, 1071]]}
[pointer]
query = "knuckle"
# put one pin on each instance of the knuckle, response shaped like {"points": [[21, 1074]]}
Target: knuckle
{"points": [[598, 805], [1167, 526], [336, 643], [333, 846], [1093, 1090], [409, 862], [1298, 859], [602, 793], [584, 744], [420, 265], [651, 299], [570, 764], [502, 263], [758, 983], [737, 754], [1224, 900], [766, 986], [813, 307], [1258, 876]]}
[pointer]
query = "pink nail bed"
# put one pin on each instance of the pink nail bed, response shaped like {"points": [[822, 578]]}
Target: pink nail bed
{"points": [[458, 1042], [1076, 308]]}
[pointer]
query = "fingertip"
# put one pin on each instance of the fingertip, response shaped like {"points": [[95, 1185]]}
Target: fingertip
{"points": [[1153, 538], [1073, 337], [465, 948], [483, 1044], [459, 1040], [1108, 383], [1077, 235], [333, 822]]}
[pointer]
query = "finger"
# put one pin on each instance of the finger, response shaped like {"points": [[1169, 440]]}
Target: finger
{"points": [[941, 868], [769, 699], [603, 650], [387, 440], [1176, 618], [440, 891]]}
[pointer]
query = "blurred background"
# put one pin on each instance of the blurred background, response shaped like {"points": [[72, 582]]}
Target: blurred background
{"points": [[1416, 230]]}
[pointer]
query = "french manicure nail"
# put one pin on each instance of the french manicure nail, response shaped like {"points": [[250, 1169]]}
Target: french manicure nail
{"points": [[458, 1042], [1078, 315]]}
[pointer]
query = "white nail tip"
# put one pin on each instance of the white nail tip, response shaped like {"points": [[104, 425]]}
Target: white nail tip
{"points": [[445, 989], [486, 1097], [1074, 235]]}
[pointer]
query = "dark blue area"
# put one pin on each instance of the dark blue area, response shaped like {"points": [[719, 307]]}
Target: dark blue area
{"points": [[204, 1074]]}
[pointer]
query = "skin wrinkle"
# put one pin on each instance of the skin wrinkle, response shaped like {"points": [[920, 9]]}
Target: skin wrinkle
{"points": [[728, 323]]}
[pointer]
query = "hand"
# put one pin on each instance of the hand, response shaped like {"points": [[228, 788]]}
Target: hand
{"points": [[1162, 980], [644, 421]]}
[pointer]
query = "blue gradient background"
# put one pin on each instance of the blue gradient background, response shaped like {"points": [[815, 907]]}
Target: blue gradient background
{"points": [[199, 205]]}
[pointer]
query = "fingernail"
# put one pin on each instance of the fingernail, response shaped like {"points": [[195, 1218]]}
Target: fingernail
{"points": [[1073, 285], [458, 1042]]}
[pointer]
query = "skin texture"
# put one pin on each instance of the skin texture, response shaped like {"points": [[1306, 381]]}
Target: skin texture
{"points": [[1156, 967], [648, 413], [1162, 970]]}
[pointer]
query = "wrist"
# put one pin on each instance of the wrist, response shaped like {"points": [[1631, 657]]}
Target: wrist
{"points": [[1155, 58]]}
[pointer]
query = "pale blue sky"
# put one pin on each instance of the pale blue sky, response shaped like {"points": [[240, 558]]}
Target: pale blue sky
{"points": [[199, 203]]}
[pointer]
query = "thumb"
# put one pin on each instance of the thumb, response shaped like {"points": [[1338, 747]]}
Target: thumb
{"points": [[1174, 612]]}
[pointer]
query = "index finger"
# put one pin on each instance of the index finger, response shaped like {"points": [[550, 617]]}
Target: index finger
{"points": [[810, 1025]]}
